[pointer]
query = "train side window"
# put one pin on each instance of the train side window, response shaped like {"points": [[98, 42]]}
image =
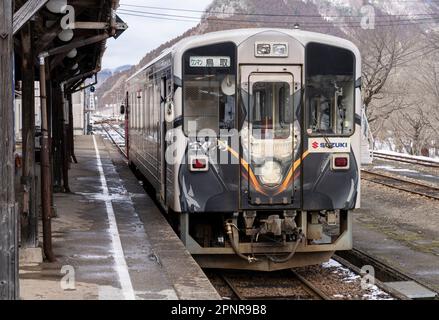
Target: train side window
{"points": [[133, 111], [136, 115], [330, 102], [133, 103], [142, 105], [150, 109], [156, 108]]}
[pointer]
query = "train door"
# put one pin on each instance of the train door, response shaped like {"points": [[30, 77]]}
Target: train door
{"points": [[127, 124], [162, 137], [267, 135]]}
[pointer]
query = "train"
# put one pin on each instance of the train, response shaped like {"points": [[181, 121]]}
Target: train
{"points": [[250, 139]]}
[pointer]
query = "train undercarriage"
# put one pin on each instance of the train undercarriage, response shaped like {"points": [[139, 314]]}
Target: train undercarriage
{"points": [[265, 241]]}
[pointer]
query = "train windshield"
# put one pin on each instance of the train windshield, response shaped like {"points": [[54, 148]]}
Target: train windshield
{"points": [[330, 87], [209, 89], [272, 110], [209, 103]]}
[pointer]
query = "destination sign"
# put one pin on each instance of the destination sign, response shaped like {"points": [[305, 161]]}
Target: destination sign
{"points": [[209, 62]]}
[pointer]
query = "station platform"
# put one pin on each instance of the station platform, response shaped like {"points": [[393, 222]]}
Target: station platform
{"points": [[110, 240], [401, 230]]}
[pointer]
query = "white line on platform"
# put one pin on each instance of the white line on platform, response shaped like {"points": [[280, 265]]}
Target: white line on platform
{"points": [[119, 256]]}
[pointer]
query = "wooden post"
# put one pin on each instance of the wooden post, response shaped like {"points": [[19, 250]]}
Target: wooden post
{"points": [[46, 174], [8, 213], [29, 216], [71, 129], [64, 142], [56, 144]]}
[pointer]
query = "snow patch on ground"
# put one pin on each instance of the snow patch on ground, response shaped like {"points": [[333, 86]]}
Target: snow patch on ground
{"points": [[390, 168], [393, 153], [372, 292]]}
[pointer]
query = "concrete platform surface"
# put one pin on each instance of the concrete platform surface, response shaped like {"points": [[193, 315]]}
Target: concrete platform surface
{"points": [[110, 240], [417, 264]]}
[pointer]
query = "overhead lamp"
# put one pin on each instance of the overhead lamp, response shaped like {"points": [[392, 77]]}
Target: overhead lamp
{"points": [[72, 54], [66, 35], [56, 6]]}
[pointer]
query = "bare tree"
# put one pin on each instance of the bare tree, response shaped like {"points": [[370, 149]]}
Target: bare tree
{"points": [[382, 50], [412, 130], [427, 84]]}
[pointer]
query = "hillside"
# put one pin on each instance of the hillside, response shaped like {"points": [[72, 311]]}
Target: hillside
{"points": [[330, 16]]}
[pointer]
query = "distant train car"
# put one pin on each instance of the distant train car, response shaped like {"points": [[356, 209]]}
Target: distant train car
{"points": [[251, 137]]}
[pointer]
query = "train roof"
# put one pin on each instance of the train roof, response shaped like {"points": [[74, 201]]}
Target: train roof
{"points": [[240, 35]]}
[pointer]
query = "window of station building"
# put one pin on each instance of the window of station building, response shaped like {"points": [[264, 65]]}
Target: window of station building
{"points": [[330, 90], [209, 89]]}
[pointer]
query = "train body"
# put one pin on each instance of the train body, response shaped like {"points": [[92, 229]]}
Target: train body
{"points": [[251, 138]]}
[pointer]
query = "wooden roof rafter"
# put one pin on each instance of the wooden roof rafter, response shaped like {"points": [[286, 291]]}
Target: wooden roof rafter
{"points": [[94, 23]]}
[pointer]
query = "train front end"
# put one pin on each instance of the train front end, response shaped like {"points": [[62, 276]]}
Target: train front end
{"points": [[270, 173]]}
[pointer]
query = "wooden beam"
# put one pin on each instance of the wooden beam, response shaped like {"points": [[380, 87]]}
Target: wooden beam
{"points": [[91, 25], [8, 208], [78, 44], [26, 12], [57, 60], [120, 26], [46, 38]]}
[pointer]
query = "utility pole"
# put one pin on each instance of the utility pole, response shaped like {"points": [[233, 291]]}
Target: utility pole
{"points": [[8, 209]]}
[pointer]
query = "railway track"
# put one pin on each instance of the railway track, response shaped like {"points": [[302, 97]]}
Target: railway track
{"points": [[285, 285], [355, 259], [292, 285], [424, 190], [116, 136], [278, 285], [406, 159]]}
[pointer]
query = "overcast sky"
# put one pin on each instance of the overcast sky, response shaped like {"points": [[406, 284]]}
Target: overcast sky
{"points": [[145, 34]]}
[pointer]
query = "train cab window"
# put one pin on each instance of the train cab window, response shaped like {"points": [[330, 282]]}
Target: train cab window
{"points": [[209, 89], [207, 105], [330, 87], [272, 110]]}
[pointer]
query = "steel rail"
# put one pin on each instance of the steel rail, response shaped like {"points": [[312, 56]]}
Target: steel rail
{"points": [[116, 129], [405, 159], [232, 287], [121, 149], [431, 191], [384, 272], [308, 287]]}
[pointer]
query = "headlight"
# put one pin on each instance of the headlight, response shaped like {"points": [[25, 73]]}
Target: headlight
{"points": [[280, 49], [281, 149], [263, 49], [270, 173]]}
